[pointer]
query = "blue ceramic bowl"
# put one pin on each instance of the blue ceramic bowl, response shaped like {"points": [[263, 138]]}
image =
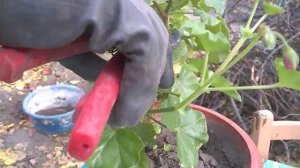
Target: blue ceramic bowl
{"points": [[49, 97]]}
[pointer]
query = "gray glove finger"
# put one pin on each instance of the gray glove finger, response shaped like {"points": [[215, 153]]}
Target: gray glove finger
{"points": [[87, 65], [146, 56], [167, 78]]}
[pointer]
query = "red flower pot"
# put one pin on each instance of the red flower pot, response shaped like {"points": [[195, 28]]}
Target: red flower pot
{"points": [[238, 145]]}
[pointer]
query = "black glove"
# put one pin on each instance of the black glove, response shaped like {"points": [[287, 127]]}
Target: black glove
{"points": [[129, 25]]}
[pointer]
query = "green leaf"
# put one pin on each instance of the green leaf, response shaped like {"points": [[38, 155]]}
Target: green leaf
{"points": [[205, 17], [208, 38], [146, 132], [176, 20], [207, 5], [172, 119], [193, 28], [287, 78], [215, 26], [190, 128], [211, 35], [178, 4], [212, 23], [119, 148], [220, 81], [199, 63], [186, 84], [148, 2], [191, 135], [213, 42], [217, 57], [191, 131], [272, 9], [218, 5], [180, 52], [196, 63]]}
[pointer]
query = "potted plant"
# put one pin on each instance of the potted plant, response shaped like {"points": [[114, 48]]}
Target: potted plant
{"points": [[202, 53]]}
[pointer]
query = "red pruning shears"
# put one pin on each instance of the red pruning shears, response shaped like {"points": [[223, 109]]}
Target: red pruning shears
{"points": [[93, 109]]}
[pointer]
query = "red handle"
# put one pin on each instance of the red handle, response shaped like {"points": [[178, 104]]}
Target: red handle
{"points": [[95, 110], [14, 61]]}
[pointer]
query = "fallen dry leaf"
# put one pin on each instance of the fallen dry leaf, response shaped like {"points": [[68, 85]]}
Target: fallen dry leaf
{"points": [[20, 85], [63, 160], [20, 155], [24, 123], [11, 131], [49, 156], [7, 126], [7, 157], [43, 149], [7, 129], [73, 164], [20, 147], [33, 161], [2, 143]]}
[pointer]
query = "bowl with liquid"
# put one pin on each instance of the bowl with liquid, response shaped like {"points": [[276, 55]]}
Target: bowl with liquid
{"points": [[51, 108]]}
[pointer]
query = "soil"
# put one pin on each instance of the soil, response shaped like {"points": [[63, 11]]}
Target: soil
{"points": [[160, 157], [211, 155], [21, 146], [55, 111]]}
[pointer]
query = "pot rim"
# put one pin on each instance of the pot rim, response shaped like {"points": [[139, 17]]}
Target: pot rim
{"points": [[45, 88], [256, 161]]}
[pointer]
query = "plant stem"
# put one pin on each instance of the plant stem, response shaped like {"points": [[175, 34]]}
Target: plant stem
{"points": [[163, 110], [169, 92], [204, 70], [168, 8], [243, 53], [240, 43], [233, 52], [182, 13], [258, 23], [156, 5], [282, 39], [203, 87], [243, 88], [252, 14], [163, 16], [158, 122]]}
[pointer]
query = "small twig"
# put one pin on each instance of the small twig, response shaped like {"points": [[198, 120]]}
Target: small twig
{"points": [[282, 99], [158, 122], [238, 115], [215, 108], [254, 101], [242, 102], [232, 7], [201, 99], [287, 152], [286, 116]]}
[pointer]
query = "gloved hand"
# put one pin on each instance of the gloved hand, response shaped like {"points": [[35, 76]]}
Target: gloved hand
{"points": [[129, 25]]}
